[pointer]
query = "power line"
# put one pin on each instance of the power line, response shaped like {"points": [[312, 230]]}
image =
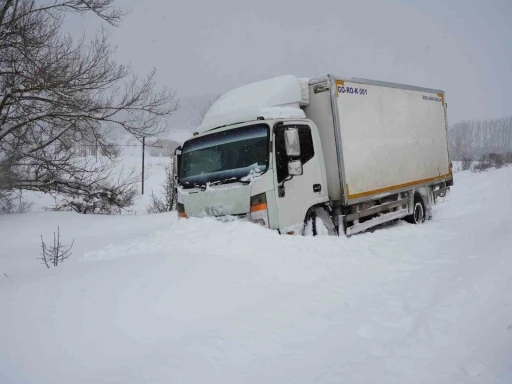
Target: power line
{"points": [[126, 145]]}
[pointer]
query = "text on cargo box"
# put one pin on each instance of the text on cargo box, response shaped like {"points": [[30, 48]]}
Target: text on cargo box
{"points": [[431, 98], [352, 91]]}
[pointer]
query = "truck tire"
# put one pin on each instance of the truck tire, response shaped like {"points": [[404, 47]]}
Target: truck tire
{"points": [[310, 220], [418, 215]]}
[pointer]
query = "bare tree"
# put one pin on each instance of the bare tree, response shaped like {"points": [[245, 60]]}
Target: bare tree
{"points": [[56, 92], [169, 200], [55, 254]]}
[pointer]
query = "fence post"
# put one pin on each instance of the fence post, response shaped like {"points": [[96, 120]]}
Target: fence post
{"points": [[143, 149]]}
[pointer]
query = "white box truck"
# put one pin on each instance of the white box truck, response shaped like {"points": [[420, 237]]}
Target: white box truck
{"points": [[322, 155]]}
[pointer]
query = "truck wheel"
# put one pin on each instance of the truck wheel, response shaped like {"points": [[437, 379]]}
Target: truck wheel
{"points": [[418, 215], [310, 224]]}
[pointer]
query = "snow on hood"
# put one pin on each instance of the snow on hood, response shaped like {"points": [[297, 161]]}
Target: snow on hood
{"points": [[277, 98]]}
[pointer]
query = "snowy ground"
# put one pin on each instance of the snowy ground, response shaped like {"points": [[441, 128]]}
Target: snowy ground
{"points": [[148, 299]]}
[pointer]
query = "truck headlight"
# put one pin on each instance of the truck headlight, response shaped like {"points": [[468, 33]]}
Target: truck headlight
{"points": [[259, 212]]}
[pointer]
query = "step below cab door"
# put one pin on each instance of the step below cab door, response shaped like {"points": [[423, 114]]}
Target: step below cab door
{"points": [[298, 189]]}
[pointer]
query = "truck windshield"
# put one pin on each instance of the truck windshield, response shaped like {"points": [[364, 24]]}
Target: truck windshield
{"points": [[227, 155]]}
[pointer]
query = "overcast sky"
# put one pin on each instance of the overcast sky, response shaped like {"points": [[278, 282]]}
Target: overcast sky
{"points": [[461, 46]]}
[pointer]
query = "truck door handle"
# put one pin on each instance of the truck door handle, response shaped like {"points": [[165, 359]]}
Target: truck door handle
{"points": [[317, 187]]}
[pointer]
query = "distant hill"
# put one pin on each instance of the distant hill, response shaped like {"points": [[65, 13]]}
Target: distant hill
{"points": [[181, 124], [188, 117]]}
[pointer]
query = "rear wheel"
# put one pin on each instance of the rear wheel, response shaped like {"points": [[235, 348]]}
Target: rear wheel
{"points": [[418, 215]]}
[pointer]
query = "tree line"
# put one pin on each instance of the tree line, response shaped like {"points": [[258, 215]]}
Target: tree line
{"points": [[471, 140]]}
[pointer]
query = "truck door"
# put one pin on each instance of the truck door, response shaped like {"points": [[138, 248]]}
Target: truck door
{"points": [[296, 194]]}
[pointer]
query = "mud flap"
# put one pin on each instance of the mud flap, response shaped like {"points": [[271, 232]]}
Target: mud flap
{"points": [[441, 195], [428, 200]]}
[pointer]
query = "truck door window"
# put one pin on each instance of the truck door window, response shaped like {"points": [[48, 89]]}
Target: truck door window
{"points": [[307, 150]]}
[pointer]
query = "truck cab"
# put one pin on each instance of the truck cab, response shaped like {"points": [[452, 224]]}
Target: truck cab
{"points": [[244, 171]]}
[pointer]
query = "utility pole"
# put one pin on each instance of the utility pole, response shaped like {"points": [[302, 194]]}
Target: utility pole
{"points": [[143, 149]]}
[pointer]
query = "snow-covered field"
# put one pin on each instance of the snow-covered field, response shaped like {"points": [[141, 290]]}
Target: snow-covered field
{"points": [[148, 299]]}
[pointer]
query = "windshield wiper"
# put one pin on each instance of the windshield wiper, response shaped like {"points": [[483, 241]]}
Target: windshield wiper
{"points": [[226, 181]]}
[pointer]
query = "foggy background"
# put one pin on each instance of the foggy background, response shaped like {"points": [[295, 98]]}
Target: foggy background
{"points": [[205, 48]]}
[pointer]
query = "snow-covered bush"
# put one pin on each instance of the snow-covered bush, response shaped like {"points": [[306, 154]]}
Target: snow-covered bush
{"points": [[491, 160], [105, 199], [12, 202], [169, 200], [112, 193], [466, 163]]}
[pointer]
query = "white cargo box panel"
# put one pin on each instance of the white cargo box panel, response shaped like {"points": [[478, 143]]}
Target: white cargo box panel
{"points": [[391, 137]]}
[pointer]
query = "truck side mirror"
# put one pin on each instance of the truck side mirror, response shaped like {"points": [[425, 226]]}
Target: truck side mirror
{"points": [[176, 164], [295, 168], [292, 143]]}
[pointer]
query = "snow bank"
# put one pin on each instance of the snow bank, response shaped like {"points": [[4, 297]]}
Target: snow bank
{"points": [[155, 300]]}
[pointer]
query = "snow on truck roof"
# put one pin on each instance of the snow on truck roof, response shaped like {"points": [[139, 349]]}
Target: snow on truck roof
{"points": [[277, 98]]}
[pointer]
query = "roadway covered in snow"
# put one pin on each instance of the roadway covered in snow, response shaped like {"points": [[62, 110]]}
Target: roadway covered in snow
{"points": [[148, 299]]}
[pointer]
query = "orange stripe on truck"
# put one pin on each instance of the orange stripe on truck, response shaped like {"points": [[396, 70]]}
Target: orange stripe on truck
{"points": [[259, 207], [339, 82], [441, 95], [387, 189]]}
